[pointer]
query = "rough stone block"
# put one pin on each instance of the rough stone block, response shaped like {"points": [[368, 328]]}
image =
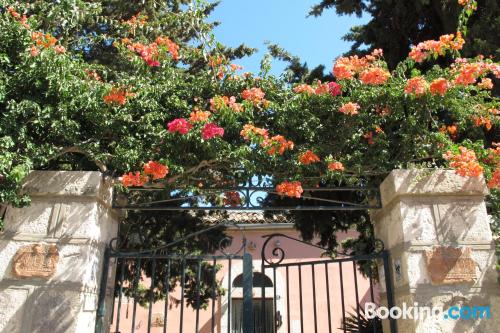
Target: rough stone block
{"points": [[430, 182]]}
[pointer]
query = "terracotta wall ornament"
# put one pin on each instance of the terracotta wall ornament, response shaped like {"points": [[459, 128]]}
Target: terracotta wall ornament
{"points": [[37, 260], [450, 265]]}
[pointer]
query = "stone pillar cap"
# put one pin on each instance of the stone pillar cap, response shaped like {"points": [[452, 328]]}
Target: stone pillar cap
{"points": [[64, 183], [430, 182]]}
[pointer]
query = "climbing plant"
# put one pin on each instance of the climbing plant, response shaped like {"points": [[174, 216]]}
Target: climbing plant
{"points": [[143, 92]]}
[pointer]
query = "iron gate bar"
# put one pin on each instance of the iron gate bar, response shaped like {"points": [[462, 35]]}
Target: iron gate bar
{"points": [[327, 280], [229, 297], [314, 300], [342, 295], [136, 282], [248, 316], [301, 307], [213, 294], [150, 312], [198, 278], [388, 288], [167, 288], [356, 290], [287, 301]]}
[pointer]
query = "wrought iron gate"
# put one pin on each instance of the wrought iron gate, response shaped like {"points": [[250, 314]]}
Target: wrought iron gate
{"points": [[199, 287], [274, 259], [160, 258]]}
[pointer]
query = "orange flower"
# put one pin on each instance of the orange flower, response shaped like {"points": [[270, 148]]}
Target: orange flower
{"points": [[468, 4], [236, 107], [198, 116], [132, 179], [465, 163], [350, 108], [383, 111], [250, 130], [117, 96], [136, 20], [379, 130], [425, 49], [347, 67], [42, 40], [13, 12], [155, 169], [59, 49], [308, 158], [215, 61], [374, 76], [416, 86], [481, 120], [468, 72], [451, 130], [439, 86], [34, 51], [485, 83], [290, 189], [235, 67], [93, 75], [173, 48], [369, 137], [304, 88], [254, 95], [495, 179], [322, 88], [217, 103], [278, 144], [335, 166]]}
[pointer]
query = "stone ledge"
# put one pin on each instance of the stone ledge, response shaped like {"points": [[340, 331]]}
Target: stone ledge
{"points": [[36, 283], [25, 237], [419, 246], [430, 290], [428, 182]]}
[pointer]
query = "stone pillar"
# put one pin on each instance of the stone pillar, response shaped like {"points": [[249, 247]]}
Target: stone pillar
{"points": [[435, 226], [51, 253]]}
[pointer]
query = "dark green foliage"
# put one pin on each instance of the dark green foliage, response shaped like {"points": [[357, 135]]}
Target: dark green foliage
{"points": [[410, 22]]}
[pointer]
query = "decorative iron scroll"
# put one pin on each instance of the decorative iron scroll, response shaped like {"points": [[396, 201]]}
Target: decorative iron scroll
{"points": [[115, 243], [279, 254], [258, 193]]}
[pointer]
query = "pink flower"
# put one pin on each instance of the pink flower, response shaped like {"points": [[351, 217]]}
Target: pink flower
{"points": [[335, 88], [59, 49], [179, 125], [34, 51], [152, 63], [211, 130]]}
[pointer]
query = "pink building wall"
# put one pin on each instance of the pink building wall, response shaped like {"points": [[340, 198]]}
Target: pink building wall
{"points": [[295, 252]]}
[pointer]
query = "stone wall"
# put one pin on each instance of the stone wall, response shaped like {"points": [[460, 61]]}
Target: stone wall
{"points": [[435, 225], [51, 253]]}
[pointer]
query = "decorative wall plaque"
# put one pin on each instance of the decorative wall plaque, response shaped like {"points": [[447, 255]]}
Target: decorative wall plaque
{"points": [[449, 265], [37, 260]]}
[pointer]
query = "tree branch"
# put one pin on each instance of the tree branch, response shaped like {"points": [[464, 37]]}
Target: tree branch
{"points": [[74, 149]]}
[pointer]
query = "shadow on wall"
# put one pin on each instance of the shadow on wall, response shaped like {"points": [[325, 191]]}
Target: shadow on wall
{"points": [[47, 308], [59, 304]]}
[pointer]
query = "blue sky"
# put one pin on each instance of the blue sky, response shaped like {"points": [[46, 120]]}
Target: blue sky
{"points": [[315, 40]]}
